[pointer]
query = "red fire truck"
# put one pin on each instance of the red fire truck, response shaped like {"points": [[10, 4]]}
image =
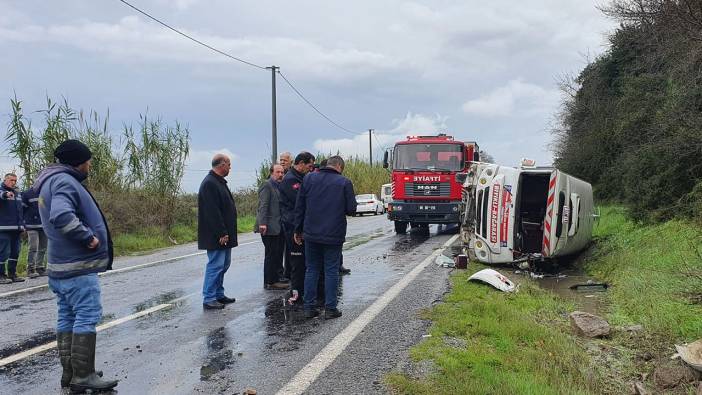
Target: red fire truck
{"points": [[425, 189]]}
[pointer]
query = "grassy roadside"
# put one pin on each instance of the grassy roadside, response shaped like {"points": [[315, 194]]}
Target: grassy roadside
{"points": [[484, 341], [150, 239]]}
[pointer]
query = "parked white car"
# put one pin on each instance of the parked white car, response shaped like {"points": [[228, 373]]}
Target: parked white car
{"points": [[369, 203]]}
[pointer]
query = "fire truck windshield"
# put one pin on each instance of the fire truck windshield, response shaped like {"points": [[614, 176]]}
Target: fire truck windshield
{"points": [[446, 157]]}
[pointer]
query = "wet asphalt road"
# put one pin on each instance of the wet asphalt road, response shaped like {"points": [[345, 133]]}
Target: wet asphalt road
{"points": [[254, 343]]}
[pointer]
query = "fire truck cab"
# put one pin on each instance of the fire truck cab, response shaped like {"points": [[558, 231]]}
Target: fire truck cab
{"points": [[424, 186]]}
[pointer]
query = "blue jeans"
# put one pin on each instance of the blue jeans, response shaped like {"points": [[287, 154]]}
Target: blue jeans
{"points": [[9, 251], [318, 256], [78, 300], [217, 264]]}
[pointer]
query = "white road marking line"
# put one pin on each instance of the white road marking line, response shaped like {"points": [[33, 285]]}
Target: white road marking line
{"points": [[121, 270], [49, 346], [308, 374]]}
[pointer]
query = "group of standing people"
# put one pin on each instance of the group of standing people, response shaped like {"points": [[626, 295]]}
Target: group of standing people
{"points": [[307, 204], [301, 218], [302, 215], [19, 213]]}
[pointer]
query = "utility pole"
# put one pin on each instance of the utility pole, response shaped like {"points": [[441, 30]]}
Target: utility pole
{"points": [[274, 123], [370, 147]]}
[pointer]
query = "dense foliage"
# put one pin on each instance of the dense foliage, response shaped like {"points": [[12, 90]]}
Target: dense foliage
{"points": [[632, 120]]}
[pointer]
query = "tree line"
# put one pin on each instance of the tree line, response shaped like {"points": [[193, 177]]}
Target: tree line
{"points": [[631, 123]]}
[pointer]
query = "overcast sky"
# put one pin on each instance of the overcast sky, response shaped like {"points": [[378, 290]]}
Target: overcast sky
{"points": [[479, 70]]}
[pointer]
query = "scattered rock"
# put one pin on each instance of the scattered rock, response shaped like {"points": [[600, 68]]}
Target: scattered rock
{"points": [[672, 375], [699, 389], [249, 391], [639, 389], [589, 325]]}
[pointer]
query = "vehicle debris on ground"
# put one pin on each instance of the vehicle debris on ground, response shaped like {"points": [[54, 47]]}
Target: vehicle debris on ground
{"points": [[494, 278]]}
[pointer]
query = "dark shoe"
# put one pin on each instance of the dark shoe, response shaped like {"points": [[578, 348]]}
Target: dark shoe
{"points": [[31, 273], [16, 279], [5, 280], [332, 313], [226, 300], [311, 313], [284, 280], [276, 286], [41, 271], [343, 270], [64, 341], [214, 305], [83, 362]]}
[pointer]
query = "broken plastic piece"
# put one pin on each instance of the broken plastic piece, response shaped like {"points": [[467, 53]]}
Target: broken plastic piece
{"points": [[444, 261], [494, 278], [691, 354]]}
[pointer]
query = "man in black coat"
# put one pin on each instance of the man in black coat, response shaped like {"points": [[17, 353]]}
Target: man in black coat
{"points": [[216, 231], [303, 164]]}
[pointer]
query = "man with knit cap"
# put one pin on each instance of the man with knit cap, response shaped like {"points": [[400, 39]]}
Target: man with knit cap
{"points": [[79, 248]]}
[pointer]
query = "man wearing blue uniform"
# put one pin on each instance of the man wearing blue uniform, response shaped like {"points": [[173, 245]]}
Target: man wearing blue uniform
{"points": [[11, 226], [79, 248]]}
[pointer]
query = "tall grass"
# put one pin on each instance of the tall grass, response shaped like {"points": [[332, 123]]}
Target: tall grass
{"points": [[136, 180]]}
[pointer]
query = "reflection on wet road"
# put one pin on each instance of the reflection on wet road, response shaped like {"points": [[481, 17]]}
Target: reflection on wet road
{"points": [[256, 342]]}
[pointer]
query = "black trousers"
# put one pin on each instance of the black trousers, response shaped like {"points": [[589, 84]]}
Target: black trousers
{"points": [[273, 260], [287, 264], [297, 261]]}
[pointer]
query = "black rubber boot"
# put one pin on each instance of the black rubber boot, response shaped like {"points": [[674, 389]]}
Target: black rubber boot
{"points": [[64, 340], [83, 363]]}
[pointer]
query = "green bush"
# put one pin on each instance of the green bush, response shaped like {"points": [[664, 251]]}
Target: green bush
{"points": [[632, 119]]}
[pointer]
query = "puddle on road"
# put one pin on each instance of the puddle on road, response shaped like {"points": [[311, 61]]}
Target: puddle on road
{"points": [[161, 298], [357, 240], [219, 354]]}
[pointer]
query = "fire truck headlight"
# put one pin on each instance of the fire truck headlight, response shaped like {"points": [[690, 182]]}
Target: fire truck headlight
{"points": [[479, 244], [483, 254], [455, 208], [397, 208]]}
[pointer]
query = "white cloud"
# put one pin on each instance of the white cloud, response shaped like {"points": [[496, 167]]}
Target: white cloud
{"points": [[135, 40], [516, 96], [411, 124]]}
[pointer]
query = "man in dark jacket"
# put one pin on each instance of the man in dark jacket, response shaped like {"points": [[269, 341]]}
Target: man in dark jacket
{"points": [[11, 226], [324, 201], [216, 231], [79, 247], [268, 224], [289, 188], [36, 265]]}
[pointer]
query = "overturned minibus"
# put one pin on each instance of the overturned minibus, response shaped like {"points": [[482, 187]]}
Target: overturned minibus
{"points": [[524, 214]]}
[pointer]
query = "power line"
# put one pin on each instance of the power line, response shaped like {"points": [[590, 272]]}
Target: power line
{"points": [[242, 61], [190, 37], [315, 108]]}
